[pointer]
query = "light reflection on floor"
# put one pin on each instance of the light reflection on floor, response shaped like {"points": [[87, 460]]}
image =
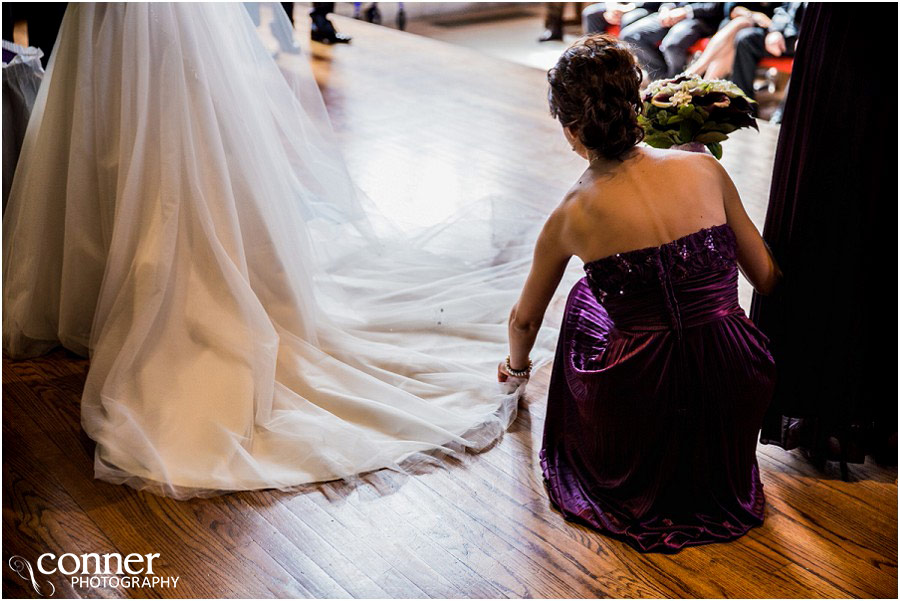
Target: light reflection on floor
{"points": [[428, 156]]}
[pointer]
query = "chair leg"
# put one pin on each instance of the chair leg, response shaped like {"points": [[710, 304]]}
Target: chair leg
{"points": [[772, 79]]}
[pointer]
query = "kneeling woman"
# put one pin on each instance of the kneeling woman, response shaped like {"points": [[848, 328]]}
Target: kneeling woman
{"points": [[660, 381]]}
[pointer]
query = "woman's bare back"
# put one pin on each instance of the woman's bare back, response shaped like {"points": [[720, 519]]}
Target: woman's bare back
{"points": [[650, 198]]}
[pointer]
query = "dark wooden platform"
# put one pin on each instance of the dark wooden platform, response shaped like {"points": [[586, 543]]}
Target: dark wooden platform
{"points": [[424, 122]]}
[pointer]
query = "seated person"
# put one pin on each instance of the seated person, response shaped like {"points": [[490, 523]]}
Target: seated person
{"points": [[661, 40], [717, 59], [752, 44], [597, 17]]}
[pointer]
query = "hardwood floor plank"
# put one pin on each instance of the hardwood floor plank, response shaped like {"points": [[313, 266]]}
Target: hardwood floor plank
{"points": [[351, 546], [387, 506], [547, 575], [319, 548], [391, 543], [39, 515]]}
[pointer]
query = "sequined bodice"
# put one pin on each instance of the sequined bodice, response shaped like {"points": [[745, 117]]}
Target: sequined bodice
{"points": [[686, 282]]}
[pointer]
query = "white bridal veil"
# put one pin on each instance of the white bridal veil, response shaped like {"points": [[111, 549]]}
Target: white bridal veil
{"points": [[182, 214]]}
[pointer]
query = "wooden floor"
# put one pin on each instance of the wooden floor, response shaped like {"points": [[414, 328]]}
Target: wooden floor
{"points": [[422, 122]]}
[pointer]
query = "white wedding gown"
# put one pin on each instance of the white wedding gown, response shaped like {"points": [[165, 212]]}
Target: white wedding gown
{"points": [[181, 213]]}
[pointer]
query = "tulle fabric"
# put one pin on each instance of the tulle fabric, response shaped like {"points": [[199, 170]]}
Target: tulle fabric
{"points": [[183, 215]]}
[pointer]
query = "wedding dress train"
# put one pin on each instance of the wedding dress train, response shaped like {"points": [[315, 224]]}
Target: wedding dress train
{"points": [[182, 214]]}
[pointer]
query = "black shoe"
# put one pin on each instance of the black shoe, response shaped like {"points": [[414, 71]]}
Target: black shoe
{"points": [[551, 35], [340, 38], [333, 38], [323, 31]]}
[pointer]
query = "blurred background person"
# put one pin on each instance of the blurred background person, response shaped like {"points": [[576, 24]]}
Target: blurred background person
{"points": [[661, 40], [752, 44], [598, 17]]}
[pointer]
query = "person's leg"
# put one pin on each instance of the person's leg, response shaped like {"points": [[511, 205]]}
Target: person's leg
{"points": [[322, 30], [321, 10], [720, 46], [722, 67], [373, 14], [632, 16], [675, 44], [592, 20], [289, 9], [644, 36], [553, 14], [553, 21], [749, 47]]}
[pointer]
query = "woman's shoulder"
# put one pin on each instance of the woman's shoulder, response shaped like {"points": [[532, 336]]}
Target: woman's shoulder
{"points": [[584, 197], [574, 211], [680, 158], [661, 169], [681, 165]]}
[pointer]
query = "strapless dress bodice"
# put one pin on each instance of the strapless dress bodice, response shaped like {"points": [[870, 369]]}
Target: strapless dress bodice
{"points": [[687, 282]]}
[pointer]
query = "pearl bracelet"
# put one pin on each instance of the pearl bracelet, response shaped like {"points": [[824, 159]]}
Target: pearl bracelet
{"points": [[518, 373]]}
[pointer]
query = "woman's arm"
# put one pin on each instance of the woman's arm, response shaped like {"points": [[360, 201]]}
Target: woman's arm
{"points": [[551, 255], [754, 257]]}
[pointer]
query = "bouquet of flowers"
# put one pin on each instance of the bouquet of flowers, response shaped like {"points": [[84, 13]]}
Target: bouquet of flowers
{"points": [[688, 109]]}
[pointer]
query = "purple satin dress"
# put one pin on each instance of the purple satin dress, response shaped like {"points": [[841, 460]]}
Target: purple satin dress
{"points": [[658, 391]]}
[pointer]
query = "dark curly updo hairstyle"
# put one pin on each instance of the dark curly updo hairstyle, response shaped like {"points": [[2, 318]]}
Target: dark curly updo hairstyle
{"points": [[595, 92]]}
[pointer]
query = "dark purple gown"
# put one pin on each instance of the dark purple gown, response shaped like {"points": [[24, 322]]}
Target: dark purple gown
{"points": [[658, 391], [832, 225]]}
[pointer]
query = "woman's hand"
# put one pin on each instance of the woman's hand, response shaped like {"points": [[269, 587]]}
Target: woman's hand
{"points": [[761, 20], [775, 44], [613, 16], [503, 376], [672, 16]]}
